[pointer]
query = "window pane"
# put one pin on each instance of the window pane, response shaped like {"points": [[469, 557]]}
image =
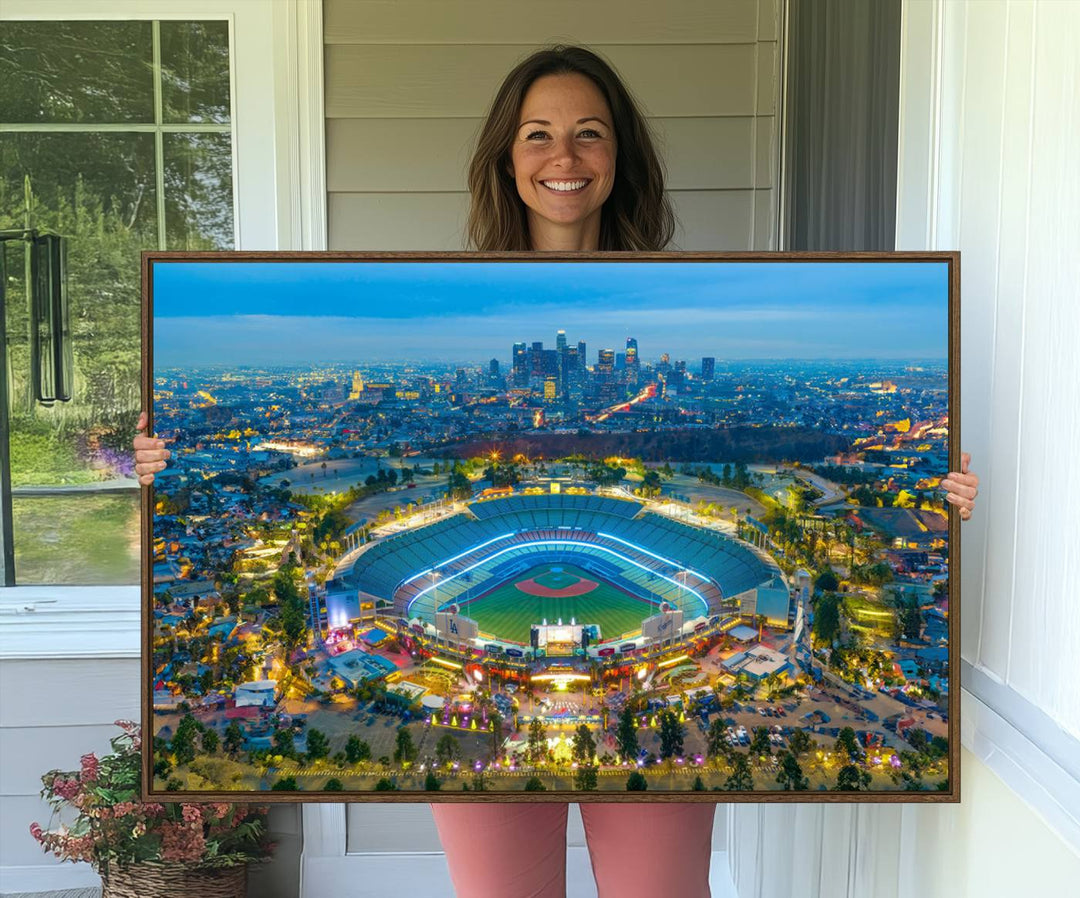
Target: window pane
{"points": [[198, 191], [195, 71], [76, 72], [82, 539], [98, 191]]}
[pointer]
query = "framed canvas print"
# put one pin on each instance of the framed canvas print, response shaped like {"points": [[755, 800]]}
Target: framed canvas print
{"points": [[497, 527]]}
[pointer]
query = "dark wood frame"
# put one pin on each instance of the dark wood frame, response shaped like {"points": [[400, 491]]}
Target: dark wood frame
{"points": [[952, 795]]}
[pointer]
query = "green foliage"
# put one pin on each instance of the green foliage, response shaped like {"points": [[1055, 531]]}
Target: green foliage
{"points": [[826, 581], [626, 734], [537, 744], [790, 776], [584, 745], [846, 743], [431, 782], [386, 785], [827, 619], [636, 782], [534, 784], [672, 734], [447, 749], [759, 744], [285, 784], [585, 778], [699, 785], [333, 785], [852, 779], [404, 747], [318, 746], [800, 743], [741, 778], [357, 750]]}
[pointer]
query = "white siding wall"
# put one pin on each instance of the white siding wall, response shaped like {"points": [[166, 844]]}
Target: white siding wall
{"points": [[55, 710], [989, 149], [408, 82]]}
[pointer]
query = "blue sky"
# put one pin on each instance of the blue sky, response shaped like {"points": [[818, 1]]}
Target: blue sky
{"points": [[262, 313]]}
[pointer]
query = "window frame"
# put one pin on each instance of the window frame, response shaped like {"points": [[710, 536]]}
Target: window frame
{"points": [[277, 122]]}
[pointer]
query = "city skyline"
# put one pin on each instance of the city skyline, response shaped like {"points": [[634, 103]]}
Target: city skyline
{"points": [[471, 312]]}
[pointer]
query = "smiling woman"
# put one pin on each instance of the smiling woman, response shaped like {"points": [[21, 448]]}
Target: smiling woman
{"points": [[562, 117]]}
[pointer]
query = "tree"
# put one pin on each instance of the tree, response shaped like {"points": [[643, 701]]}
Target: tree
{"points": [[800, 743], [537, 744], [846, 743], [534, 784], [626, 734], [318, 746], [790, 777], [183, 740], [717, 744], [234, 738], [826, 581], [447, 749], [636, 782], [584, 746], [672, 733], [760, 744], [852, 779], [827, 619], [585, 778], [404, 748], [357, 750], [333, 785], [284, 744], [209, 741], [431, 782], [285, 784], [911, 618], [386, 785], [698, 786], [741, 778], [916, 739]]}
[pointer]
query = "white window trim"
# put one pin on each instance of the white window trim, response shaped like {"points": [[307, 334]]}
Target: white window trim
{"points": [[1036, 758], [280, 201]]}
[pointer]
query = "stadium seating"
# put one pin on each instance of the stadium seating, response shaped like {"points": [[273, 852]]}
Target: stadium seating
{"points": [[644, 553]]}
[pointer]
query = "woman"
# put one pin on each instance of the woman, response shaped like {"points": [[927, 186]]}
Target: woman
{"points": [[565, 162]]}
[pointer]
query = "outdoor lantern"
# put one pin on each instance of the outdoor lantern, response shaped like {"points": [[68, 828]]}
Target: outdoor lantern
{"points": [[51, 356]]}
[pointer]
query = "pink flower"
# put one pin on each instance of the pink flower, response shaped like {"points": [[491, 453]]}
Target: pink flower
{"points": [[90, 767], [37, 832], [65, 788], [191, 813], [181, 842]]}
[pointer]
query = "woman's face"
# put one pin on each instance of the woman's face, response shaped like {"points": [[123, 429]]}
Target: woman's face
{"points": [[563, 154]]}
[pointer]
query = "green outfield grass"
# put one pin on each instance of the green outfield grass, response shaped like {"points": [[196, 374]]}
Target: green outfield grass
{"points": [[507, 612]]}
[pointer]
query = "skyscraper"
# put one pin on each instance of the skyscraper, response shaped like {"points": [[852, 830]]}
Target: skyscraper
{"points": [[708, 368], [560, 341], [521, 365], [633, 362]]}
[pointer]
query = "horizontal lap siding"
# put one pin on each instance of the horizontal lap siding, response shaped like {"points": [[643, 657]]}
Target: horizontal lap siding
{"points": [[408, 83], [52, 713]]}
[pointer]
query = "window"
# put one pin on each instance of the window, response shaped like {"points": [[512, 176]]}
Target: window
{"points": [[118, 136]]}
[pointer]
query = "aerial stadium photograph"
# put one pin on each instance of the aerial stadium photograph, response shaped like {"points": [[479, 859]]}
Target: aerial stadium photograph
{"points": [[440, 527]]}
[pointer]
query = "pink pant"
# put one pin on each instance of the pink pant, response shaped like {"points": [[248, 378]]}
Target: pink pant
{"points": [[637, 850]]}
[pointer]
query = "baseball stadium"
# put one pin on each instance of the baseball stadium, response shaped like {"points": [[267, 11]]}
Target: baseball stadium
{"points": [[536, 576]]}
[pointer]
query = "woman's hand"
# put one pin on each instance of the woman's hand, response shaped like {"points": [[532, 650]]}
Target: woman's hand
{"points": [[962, 487], [150, 453]]}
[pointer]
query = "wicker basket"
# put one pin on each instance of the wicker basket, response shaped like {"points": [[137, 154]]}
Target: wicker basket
{"points": [[150, 880]]}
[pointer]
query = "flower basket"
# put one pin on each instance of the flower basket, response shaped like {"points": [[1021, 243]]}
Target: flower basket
{"points": [[149, 849], [160, 880]]}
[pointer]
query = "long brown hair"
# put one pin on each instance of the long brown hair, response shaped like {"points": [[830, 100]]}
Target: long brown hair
{"points": [[636, 216]]}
